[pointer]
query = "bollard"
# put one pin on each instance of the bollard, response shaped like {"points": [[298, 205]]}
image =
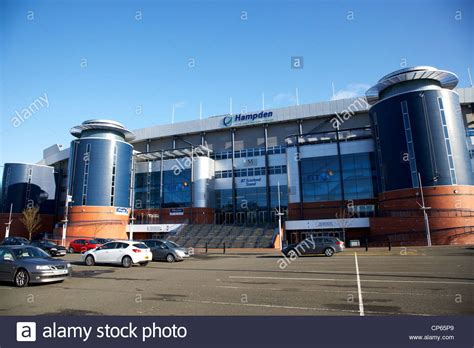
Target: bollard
{"points": [[224, 247], [366, 244], [206, 247], [389, 245]]}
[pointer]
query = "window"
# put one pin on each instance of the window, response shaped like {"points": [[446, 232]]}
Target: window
{"points": [[177, 188], [85, 179], [409, 139], [321, 177], [114, 168], [447, 142], [108, 246]]}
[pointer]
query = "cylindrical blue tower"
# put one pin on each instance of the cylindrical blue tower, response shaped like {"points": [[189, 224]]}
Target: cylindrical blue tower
{"points": [[100, 164], [28, 185], [419, 129]]}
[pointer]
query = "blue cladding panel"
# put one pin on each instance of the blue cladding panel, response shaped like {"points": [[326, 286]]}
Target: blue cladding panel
{"points": [[428, 135], [91, 181], [22, 191]]}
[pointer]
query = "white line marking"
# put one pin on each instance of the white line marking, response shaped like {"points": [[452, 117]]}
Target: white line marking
{"points": [[291, 278], [359, 289], [289, 307], [351, 280], [330, 291]]}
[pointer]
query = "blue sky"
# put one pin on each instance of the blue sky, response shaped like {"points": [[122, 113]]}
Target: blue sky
{"points": [[99, 59]]}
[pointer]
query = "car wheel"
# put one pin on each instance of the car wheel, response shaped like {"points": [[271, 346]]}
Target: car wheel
{"points": [[328, 252], [90, 260], [127, 261], [143, 263], [292, 253], [21, 278], [71, 250], [170, 258]]}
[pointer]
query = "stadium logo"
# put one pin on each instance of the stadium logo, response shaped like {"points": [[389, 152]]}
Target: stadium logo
{"points": [[229, 120]]}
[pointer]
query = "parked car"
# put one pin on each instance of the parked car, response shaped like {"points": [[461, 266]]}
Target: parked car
{"points": [[103, 240], [166, 250], [121, 252], [24, 264], [315, 245], [42, 236], [49, 247], [82, 245], [15, 241]]}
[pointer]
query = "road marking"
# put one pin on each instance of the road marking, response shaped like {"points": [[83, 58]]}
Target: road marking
{"points": [[330, 291], [359, 289], [291, 278], [351, 280], [288, 307]]}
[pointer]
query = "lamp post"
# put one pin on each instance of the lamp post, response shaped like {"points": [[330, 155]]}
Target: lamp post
{"points": [[65, 220], [424, 209], [8, 224], [132, 197], [279, 214]]}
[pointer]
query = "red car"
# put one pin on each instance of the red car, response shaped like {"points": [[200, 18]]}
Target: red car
{"points": [[81, 245]]}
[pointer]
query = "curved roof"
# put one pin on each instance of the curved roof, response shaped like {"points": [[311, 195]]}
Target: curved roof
{"points": [[103, 125], [446, 79]]}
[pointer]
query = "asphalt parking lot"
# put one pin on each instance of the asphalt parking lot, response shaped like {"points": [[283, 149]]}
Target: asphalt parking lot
{"points": [[412, 281]]}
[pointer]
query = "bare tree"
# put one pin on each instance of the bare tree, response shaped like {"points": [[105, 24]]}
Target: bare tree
{"points": [[31, 219], [344, 216]]}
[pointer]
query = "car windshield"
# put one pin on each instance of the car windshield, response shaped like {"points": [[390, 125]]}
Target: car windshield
{"points": [[140, 245], [29, 253], [94, 241], [49, 244], [171, 244]]}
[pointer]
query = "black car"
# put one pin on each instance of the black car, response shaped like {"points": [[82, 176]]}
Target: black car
{"points": [[15, 241], [49, 247], [103, 240]]}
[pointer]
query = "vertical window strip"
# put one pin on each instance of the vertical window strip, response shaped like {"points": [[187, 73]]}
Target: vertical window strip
{"points": [[114, 167], [447, 142], [409, 140], [379, 152], [28, 186], [85, 180]]}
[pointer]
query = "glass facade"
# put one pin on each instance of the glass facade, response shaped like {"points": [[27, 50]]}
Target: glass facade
{"points": [[251, 199], [321, 177], [176, 189]]}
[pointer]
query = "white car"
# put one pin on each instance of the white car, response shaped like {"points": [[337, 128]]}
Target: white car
{"points": [[121, 252]]}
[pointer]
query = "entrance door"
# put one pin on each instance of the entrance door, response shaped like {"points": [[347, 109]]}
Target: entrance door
{"points": [[294, 237], [219, 218], [241, 217], [229, 219], [251, 217]]}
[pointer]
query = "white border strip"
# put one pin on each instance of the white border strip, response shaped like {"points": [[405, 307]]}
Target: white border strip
{"points": [[359, 289]]}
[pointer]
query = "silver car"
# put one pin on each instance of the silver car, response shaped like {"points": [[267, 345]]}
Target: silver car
{"points": [[24, 264], [315, 245], [166, 250]]}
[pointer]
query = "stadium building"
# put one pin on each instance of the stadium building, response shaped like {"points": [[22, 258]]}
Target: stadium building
{"points": [[377, 168]]}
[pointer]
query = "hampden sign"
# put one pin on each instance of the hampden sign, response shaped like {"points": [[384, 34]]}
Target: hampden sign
{"points": [[237, 119]]}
